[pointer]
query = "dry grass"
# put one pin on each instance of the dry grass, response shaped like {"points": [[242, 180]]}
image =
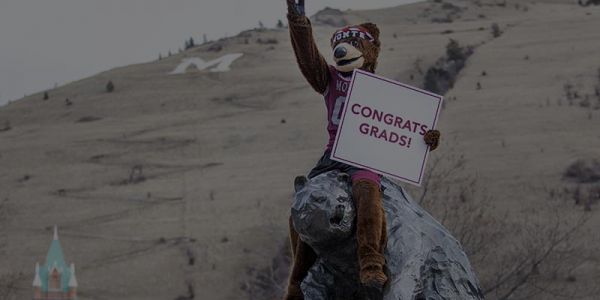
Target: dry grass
{"points": [[531, 256], [269, 282], [9, 285]]}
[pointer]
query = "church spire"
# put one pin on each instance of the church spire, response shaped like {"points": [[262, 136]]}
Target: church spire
{"points": [[37, 281], [55, 233], [73, 280]]}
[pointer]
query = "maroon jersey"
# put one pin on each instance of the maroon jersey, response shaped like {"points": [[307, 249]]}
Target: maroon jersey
{"points": [[335, 97]]}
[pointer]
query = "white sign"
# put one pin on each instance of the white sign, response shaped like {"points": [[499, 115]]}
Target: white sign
{"points": [[220, 64], [383, 125]]}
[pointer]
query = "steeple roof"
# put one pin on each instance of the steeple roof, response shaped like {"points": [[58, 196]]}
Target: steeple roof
{"points": [[73, 280], [55, 261], [37, 281], [55, 257]]}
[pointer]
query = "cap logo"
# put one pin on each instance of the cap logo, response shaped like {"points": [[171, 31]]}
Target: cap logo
{"points": [[351, 32]]}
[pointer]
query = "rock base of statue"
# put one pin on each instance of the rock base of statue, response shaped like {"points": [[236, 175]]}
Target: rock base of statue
{"points": [[423, 260]]}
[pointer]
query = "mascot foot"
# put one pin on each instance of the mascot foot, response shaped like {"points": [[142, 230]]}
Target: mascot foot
{"points": [[373, 292], [293, 297], [373, 276], [373, 279], [294, 292]]}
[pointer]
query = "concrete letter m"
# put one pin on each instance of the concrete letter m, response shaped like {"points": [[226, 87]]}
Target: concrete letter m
{"points": [[221, 64]]}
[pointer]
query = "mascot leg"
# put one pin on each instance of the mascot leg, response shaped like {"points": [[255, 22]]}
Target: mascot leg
{"points": [[371, 235], [303, 258]]}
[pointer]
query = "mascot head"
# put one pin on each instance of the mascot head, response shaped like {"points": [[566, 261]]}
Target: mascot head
{"points": [[356, 47]]}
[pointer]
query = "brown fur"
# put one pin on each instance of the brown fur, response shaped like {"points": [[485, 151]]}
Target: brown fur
{"points": [[312, 64], [303, 258], [370, 232]]}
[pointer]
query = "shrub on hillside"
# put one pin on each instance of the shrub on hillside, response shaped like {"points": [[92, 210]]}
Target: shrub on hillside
{"points": [[6, 126], [216, 47], [110, 87], [268, 41], [9, 285], [496, 32], [583, 171], [441, 76], [454, 51], [588, 2]]}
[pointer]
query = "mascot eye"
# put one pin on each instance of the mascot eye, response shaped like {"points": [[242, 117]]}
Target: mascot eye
{"points": [[342, 199], [354, 43]]}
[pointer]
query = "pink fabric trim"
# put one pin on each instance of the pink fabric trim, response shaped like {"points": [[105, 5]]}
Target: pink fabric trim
{"points": [[366, 175]]}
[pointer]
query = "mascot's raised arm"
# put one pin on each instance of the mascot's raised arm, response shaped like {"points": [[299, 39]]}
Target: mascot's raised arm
{"points": [[354, 47], [311, 62]]}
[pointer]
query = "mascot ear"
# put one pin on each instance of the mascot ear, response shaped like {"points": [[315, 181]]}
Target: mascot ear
{"points": [[372, 29], [300, 182]]}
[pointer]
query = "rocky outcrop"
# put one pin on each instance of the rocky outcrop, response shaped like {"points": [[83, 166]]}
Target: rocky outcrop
{"points": [[330, 17], [424, 261], [588, 2]]}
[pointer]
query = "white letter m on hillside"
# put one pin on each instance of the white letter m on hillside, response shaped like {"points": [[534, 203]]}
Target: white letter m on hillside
{"points": [[220, 64]]}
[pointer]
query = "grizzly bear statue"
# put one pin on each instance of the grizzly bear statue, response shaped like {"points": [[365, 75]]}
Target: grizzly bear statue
{"points": [[424, 261]]}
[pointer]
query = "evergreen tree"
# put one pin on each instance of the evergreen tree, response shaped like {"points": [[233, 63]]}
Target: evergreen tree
{"points": [[110, 87], [454, 51], [496, 32], [189, 43]]}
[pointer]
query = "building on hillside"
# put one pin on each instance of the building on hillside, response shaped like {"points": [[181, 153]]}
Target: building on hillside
{"points": [[54, 280]]}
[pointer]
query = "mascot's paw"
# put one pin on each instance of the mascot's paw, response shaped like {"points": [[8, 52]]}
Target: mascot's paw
{"points": [[432, 139], [294, 292], [296, 9]]}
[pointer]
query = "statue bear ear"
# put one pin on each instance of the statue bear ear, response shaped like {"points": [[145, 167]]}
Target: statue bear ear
{"points": [[372, 29], [300, 183], [343, 177]]}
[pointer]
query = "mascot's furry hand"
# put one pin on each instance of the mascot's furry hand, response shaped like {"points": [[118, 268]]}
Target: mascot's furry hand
{"points": [[432, 139], [296, 9]]}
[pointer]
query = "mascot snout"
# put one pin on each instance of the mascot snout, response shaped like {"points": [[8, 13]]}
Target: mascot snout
{"points": [[347, 57]]}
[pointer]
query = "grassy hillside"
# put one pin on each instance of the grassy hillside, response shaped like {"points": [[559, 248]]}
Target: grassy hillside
{"points": [[179, 183]]}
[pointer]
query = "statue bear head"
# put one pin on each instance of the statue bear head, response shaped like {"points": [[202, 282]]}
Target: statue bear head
{"points": [[356, 47], [323, 212]]}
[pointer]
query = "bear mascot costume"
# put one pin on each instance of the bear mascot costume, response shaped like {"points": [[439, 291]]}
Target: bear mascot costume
{"points": [[354, 47]]}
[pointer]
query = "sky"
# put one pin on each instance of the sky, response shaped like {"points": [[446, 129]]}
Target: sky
{"points": [[44, 43]]}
